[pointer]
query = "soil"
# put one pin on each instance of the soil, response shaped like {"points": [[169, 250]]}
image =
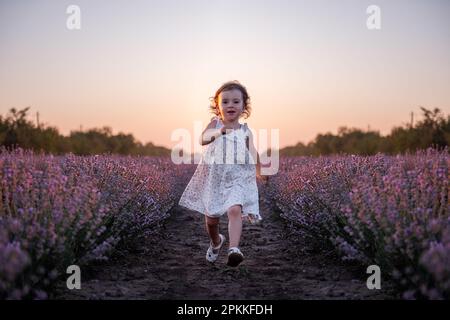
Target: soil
{"points": [[172, 265]]}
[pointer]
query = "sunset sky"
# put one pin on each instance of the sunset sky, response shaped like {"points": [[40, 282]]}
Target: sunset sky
{"points": [[149, 67]]}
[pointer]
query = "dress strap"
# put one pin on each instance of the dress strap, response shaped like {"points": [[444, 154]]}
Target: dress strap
{"points": [[246, 130], [218, 122]]}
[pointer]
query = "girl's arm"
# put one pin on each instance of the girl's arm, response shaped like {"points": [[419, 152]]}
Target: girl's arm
{"points": [[210, 133], [258, 170], [252, 149]]}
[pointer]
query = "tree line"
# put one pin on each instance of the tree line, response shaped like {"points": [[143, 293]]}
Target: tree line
{"points": [[17, 131], [432, 131]]}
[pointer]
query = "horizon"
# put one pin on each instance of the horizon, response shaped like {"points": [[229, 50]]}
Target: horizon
{"points": [[41, 123]]}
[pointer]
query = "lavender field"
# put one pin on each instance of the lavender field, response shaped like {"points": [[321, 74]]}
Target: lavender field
{"points": [[392, 211], [59, 211]]}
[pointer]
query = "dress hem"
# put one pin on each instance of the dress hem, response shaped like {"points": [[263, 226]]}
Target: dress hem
{"points": [[244, 214]]}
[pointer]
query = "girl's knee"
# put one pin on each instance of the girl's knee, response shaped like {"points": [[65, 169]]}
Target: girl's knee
{"points": [[211, 221], [235, 211]]}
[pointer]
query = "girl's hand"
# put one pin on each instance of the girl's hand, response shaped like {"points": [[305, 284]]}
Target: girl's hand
{"points": [[262, 178], [226, 127]]}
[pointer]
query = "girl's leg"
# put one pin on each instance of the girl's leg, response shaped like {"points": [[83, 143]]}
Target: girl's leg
{"points": [[235, 224], [212, 227]]}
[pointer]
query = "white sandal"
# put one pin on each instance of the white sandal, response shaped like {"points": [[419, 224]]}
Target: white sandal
{"points": [[235, 257], [210, 255]]}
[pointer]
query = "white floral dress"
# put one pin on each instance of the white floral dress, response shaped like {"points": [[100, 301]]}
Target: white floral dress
{"points": [[225, 176]]}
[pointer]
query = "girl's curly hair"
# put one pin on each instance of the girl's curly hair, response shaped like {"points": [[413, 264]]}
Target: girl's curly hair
{"points": [[227, 86]]}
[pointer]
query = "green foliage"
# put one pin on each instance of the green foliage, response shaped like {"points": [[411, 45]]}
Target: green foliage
{"points": [[17, 131], [432, 131]]}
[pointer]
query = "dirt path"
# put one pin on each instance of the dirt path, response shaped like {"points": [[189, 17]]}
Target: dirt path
{"points": [[173, 266]]}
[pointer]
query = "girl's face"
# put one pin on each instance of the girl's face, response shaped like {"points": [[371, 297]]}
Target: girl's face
{"points": [[231, 104]]}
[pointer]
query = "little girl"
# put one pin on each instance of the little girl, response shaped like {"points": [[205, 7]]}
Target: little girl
{"points": [[221, 183]]}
